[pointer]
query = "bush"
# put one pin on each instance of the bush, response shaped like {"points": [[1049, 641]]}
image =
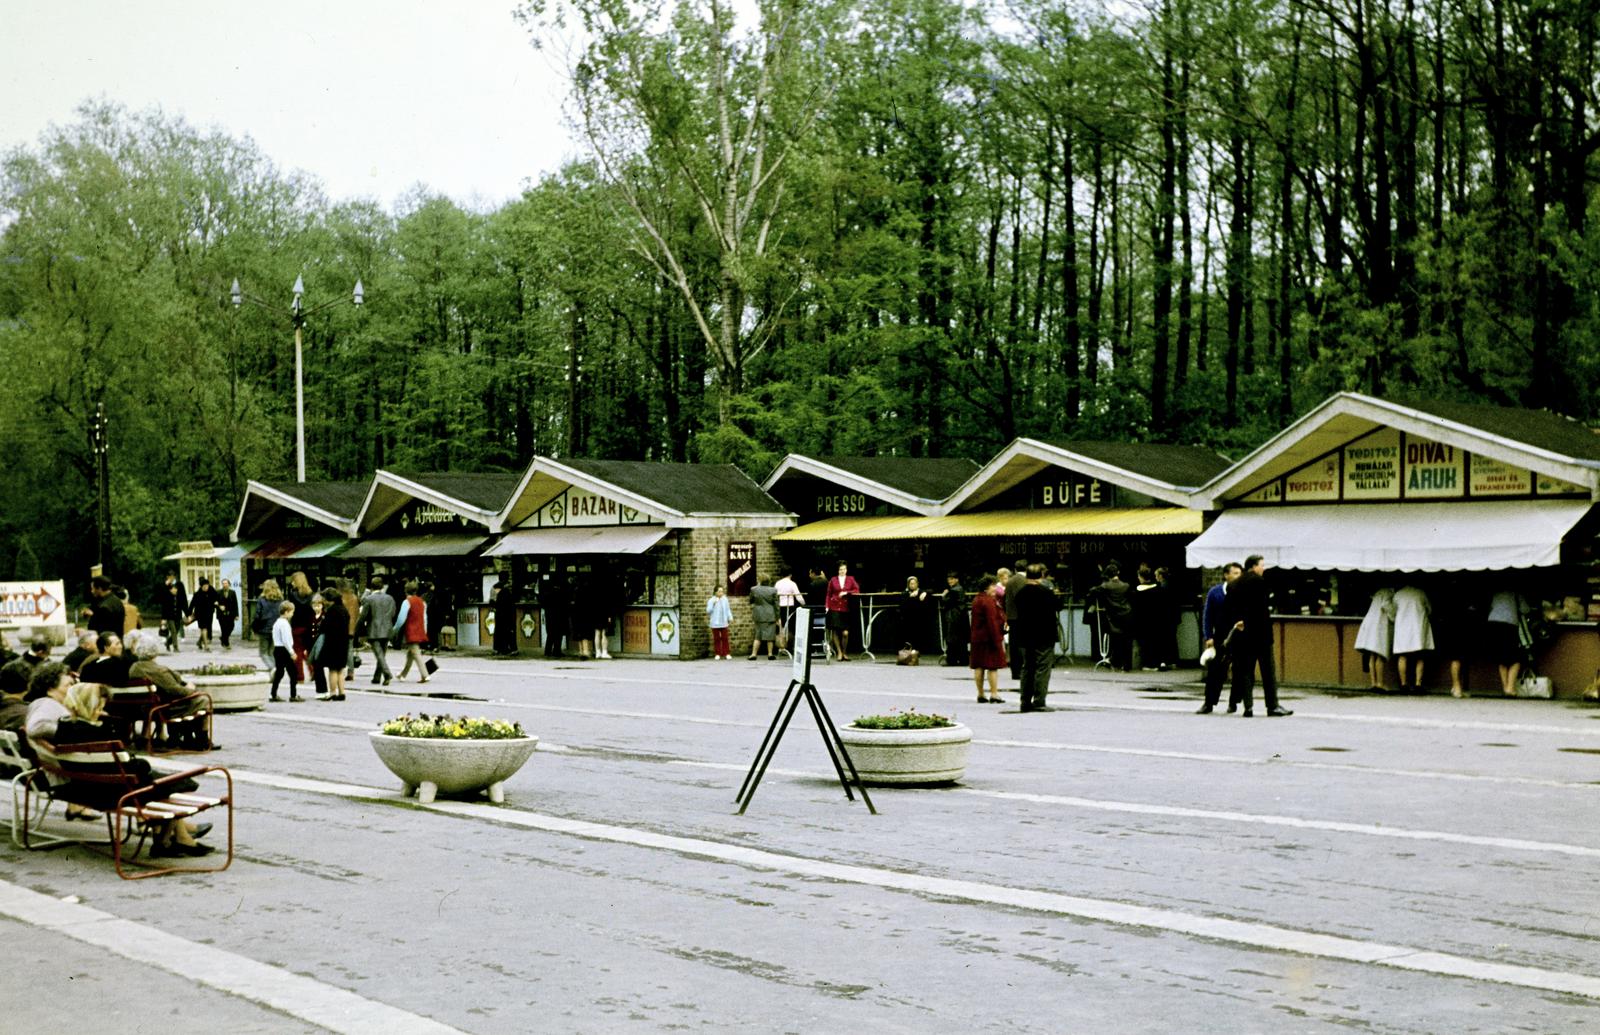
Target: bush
{"points": [[226, 670], [450, 727], [907, 720]]}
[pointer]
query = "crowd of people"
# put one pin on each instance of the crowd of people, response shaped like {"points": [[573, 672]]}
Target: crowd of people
{"points": [[1405, 625]]}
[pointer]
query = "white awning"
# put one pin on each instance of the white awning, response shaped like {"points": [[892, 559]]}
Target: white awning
{"points": [[602, 539], [1393, 536], [441, 545]]}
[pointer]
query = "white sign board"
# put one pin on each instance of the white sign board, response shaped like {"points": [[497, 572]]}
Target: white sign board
{"points": [[32, 603], [801, 647]]}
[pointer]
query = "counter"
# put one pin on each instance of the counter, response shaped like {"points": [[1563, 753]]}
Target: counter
{"points": [[1320, 649]]}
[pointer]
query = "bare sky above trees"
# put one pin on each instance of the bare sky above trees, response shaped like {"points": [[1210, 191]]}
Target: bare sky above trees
{"points": [[370, 96]]}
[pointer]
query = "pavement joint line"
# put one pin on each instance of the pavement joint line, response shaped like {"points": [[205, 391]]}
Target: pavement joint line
{"points": [[1226, 816], [327, 1006], [1046, 745], [1249, 934], [1181, 709]]}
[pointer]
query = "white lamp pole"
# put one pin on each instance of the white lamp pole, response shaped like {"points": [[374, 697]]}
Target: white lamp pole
{"points": [[297, 315]]}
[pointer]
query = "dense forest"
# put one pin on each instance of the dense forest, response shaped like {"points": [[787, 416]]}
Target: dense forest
{"points": [[919, 227]]}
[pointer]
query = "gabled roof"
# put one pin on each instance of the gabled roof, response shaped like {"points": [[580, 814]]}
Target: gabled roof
{"points": [[1534, 439], [917, 484], [681, 494], [478, 497], [1164, 472], [335, 504]]}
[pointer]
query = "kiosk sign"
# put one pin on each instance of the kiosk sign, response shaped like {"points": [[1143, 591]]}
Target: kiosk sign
{"points": [[32, 603]]}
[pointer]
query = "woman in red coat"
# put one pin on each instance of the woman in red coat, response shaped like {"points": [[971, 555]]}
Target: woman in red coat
{"points": [[988, 641]]}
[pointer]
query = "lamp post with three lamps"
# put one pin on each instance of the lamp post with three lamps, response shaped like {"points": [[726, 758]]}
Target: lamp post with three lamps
{"points": [[297, 314]]}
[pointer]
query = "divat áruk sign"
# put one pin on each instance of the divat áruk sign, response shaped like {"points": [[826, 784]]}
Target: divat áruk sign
{"points": [[28, 604], [1433, 469]]}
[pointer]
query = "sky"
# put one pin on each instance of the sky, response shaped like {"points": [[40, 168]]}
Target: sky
{"points": [[371, 98]]}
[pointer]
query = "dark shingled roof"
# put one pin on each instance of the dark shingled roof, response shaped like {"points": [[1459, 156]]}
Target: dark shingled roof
{"points": [[929, 478], [686, 488], [1182, 466], [485, 491], [1540, 429], [341, 499]]}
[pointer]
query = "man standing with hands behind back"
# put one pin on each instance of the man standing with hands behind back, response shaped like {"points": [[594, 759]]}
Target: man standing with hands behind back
{"points": [[841, 589], [1252, 638]]}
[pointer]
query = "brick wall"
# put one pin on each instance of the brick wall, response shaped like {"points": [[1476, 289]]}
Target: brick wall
{"points": [[703, 560]]}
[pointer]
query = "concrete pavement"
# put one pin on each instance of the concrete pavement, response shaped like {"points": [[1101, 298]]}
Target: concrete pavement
{"points": [[1398, 864]]}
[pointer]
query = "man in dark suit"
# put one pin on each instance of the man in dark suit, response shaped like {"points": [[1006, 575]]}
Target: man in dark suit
{"points": [[1216, 620], [1252, 638], [1034, 631]]}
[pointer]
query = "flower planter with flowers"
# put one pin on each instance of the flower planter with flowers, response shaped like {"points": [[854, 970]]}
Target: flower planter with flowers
{"points": [[908, 747], [451, 755], [233, 688]]}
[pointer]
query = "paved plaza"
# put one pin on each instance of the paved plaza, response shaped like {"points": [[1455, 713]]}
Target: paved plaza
{"points": [[1380, 864]]}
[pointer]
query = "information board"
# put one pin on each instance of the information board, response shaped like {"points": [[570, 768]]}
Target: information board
{"points": [[27, 604], [1372, 466]]}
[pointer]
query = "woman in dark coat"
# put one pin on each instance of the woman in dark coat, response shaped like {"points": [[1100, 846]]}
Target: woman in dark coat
{"points": [[505, 620], [334, 633], [988, 641]]}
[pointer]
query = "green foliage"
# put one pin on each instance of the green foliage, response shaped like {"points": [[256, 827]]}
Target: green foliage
{"points": [[450, 727], [910, 719], [1398, 204]]}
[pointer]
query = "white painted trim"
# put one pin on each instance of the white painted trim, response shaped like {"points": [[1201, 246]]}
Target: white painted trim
{"points": [[289, 502], [487, 518], [811, 465], [1384, 414], [1058, 456]]}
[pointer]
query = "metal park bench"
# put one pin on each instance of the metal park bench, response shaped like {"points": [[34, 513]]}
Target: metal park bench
{"points": [[89, 774]]}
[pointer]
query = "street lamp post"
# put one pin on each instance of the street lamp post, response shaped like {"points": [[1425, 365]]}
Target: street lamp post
{"points": [[297, 315]]}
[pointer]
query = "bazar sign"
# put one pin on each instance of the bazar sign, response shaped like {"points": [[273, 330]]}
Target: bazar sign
{"points": [[32, 603]]}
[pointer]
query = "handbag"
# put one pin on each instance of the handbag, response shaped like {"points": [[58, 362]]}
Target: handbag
{"points": [[1536, 686], [908, 655], [430, 666]]}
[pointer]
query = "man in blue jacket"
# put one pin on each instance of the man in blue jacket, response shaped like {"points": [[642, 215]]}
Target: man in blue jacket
{"points": [[1214, 626]]}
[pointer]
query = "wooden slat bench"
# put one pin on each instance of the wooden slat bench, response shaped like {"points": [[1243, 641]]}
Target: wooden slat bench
{"points": [[88, 773]]}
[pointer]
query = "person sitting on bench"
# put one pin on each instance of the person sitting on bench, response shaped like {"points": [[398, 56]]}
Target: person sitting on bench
{"points": [[85, 707]]}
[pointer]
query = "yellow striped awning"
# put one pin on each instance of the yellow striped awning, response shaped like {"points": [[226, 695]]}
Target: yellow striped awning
{"points": [[1002, 523]]}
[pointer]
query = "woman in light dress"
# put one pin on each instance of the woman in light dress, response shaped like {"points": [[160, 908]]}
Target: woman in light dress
{"points": [[1413, 633], [1375, 638]]}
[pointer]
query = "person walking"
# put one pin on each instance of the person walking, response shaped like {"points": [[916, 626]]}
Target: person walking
{"points": [[987, 636], [719, 615], [842, 591], [227, 613], [263, 617], [1252, 639], [377, 617], [300, 595], [411, 628], [764, 616], [953, 612], [1215, 625], [203, 609], [1413, 634], [281, 637], [173, 611], [1375, 636], [1034, 632]]}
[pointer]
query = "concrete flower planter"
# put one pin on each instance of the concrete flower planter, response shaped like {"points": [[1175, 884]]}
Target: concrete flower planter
{"points": [[908, 756], [241, 693], [429, 765]]}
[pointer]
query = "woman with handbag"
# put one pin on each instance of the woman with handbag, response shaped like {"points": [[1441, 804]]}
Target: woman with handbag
{"points": [[1505, 632]]}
